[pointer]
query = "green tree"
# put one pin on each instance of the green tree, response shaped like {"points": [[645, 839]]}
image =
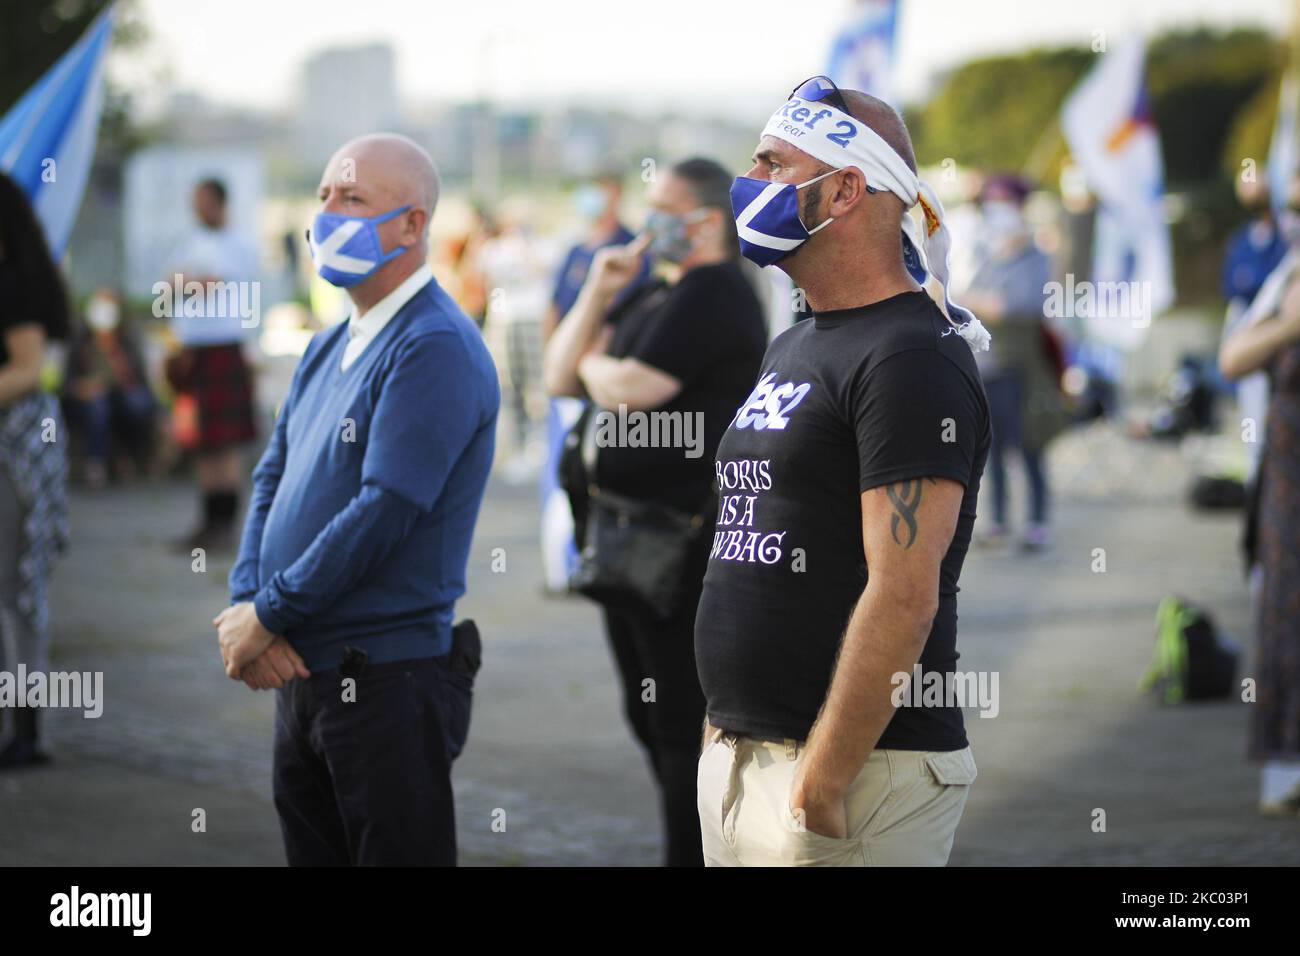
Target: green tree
{"points": [[33, 36], [1251, 132], [1200, 81], [992, 113], [1004, 112]]}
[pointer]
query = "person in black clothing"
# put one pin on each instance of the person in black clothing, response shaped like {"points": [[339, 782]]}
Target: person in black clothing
{"points": [[849, 480], [687, 344]]}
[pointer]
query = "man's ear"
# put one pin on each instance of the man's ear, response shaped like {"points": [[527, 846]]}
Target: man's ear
{"points": [[417, 223], [850, 189]]}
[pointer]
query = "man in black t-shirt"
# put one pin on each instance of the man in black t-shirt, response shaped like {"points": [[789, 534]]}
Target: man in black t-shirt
{"points": [[848, 482], [681, 350]]}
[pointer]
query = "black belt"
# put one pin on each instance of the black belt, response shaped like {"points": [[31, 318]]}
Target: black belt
{"points": [[465, 656]]}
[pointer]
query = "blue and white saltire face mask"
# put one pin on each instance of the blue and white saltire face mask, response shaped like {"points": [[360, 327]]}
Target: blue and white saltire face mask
{"points": [[771, 227], [346, 249], [767, 217]]}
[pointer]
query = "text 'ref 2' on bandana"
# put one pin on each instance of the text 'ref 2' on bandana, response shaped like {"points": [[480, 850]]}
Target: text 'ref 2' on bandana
{"points": [[839, 140]]}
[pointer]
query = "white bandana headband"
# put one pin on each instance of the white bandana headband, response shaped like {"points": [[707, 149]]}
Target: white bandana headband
{"points": [[837, 139]]}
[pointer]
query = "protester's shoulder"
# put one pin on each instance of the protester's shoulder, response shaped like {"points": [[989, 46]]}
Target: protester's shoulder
{"points": [[436, 325], [433, 312], [919, 336], [790, 337]]}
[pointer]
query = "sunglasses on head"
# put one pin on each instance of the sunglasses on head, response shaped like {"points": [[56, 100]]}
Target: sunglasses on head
{"points": [[819, 89]]}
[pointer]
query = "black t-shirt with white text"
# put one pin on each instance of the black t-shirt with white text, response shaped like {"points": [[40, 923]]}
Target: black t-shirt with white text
{"points": [[845, 402]]}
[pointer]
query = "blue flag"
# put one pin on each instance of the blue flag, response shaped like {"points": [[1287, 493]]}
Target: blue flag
{"points": [[862, 55], [47, 140]]}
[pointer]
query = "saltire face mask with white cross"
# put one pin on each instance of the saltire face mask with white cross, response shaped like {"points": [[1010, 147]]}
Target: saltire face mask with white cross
{"points": [[347, 249], [816, 120]]}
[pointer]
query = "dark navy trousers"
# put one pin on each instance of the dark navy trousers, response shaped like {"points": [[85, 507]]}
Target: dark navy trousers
{"points": [[368, 782]]}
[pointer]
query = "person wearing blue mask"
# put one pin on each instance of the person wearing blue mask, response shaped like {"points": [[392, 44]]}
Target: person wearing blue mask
{"points": [[357, 538], [682, 347], [849, 479], [595, 204]]}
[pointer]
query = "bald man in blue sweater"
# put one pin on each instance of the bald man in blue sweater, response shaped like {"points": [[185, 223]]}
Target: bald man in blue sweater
{"points": [[358, 533]]}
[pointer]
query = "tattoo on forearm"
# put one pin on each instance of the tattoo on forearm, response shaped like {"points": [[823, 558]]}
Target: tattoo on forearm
{"points": [[905, 496]]}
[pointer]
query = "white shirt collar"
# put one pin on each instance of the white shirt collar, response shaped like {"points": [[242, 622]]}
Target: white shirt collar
{"points": [[381, 313]]}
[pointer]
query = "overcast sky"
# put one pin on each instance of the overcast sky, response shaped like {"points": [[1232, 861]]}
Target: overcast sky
{"points": [[649, 54]]}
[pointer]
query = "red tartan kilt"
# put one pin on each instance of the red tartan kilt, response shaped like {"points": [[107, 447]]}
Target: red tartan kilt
{"points": [[222, 387]]}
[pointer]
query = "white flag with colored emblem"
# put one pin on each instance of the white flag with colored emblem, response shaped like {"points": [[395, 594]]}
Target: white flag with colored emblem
{"points": [[1107, 122]]}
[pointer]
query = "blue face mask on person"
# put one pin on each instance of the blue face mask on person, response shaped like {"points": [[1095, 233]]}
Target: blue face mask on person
{"points": [[346, 249], [767, 217], [589, 203]]}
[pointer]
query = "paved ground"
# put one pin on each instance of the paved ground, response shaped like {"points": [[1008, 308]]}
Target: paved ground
{"points": [[548, 746]]}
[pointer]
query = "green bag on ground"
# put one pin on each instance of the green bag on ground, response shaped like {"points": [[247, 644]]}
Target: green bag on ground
{"points": [[1192, 661]]}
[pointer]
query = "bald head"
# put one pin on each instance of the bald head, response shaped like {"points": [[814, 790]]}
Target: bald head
{"points": [[387, 163]]}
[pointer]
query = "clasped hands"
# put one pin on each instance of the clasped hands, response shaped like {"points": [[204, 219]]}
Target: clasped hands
{"points": [[251, 653]]}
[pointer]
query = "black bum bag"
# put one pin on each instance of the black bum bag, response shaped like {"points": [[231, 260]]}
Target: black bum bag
{"points": [[632, 553]]}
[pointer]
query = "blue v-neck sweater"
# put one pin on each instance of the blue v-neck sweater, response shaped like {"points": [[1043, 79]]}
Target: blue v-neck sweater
{"points": [[364, 503]]}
